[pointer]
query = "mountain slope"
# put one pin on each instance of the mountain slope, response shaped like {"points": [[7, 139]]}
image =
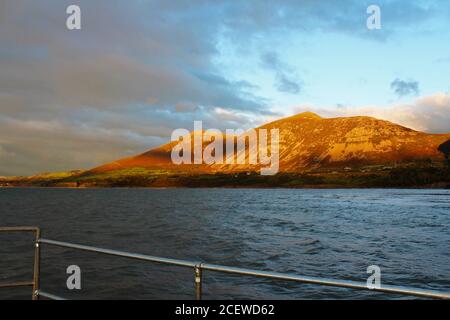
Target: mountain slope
{"points": [[158, 158], [308, 141]]}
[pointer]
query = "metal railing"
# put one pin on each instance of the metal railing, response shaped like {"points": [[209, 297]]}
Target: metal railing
{"points": [[37, 261], [200, 267]]}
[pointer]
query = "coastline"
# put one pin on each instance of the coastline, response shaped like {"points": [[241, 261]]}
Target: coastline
{"points": [[446, 187], [415, 177]]}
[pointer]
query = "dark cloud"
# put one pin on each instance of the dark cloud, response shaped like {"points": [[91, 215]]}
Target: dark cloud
{"points": [[287, 85], [405, 88], [286, 80]]}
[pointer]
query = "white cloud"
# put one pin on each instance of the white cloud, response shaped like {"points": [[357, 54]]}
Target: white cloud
{"points": [[430, 114]]}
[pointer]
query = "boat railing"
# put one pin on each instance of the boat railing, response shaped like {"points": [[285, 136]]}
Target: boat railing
{"points": [[198, 268]]}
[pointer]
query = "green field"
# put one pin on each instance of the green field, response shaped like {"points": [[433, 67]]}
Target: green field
{"points": [[416, 174]]}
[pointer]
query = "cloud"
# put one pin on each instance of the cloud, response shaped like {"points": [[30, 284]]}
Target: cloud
{"points": [[185, 107], [137, 70], [429, 114], [287, 85], [227, 115], [286, 80], [117, 87], [37, 146], [405, 88], [257, 18]]}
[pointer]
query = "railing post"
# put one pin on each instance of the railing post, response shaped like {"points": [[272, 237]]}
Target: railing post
{"points": [[37, 265], [198, 281]]}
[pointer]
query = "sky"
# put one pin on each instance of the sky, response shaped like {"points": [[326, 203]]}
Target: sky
{"points": [[137, 70]]}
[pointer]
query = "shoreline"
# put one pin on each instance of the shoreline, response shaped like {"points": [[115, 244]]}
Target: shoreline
{"points": [[236, 187]]}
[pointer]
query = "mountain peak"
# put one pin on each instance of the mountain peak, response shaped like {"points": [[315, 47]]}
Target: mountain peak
{"points": [[307, 115]]}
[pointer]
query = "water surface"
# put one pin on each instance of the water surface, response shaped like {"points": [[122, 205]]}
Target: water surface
{"points": [[324, 233]]}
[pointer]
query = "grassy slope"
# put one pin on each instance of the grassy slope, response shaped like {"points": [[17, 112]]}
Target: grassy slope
{"points": [[417, 174]]}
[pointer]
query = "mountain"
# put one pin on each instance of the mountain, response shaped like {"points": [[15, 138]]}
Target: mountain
{"points": [[313, 152], [308, 141], [155, 159]]}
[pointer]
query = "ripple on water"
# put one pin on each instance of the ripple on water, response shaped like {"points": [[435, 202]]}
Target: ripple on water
{"points": [[326, 233]]}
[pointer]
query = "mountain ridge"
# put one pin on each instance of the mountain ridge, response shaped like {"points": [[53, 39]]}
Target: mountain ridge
{"points": [[314, 152], [310, 141]]}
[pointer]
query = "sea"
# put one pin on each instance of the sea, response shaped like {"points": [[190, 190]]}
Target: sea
{"points": [[328, 233]]}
